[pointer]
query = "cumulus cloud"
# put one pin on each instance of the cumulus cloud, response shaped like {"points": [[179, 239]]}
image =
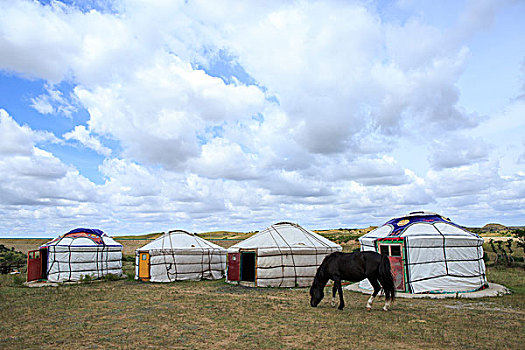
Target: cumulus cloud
{"points": [[16, 139], [82, 135], [160, 113], [383, 171], [53, 102], [230, 113], [454, 151], [33, 176]]}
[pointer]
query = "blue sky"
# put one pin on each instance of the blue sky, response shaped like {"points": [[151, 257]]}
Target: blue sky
{"points": [[135, 117]]}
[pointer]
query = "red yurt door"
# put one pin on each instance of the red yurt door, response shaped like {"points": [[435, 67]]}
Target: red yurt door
{"points": [[34, 265], [234, 263], [394, 249]]}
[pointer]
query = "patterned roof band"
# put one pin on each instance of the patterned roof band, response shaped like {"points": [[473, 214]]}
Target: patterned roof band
{"points": [[399, 225]]}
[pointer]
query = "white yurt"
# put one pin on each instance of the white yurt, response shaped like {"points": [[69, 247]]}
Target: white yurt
{"points": [[177, 256], [282, 255], [429, 254], [78, 253]]}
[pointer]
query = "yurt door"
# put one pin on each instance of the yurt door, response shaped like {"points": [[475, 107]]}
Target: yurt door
{"points": [[34, 265], [394, 250], [248, 265], [144, 266], [234, 261]]}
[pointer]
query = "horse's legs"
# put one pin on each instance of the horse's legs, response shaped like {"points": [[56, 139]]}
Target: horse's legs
{"points": [[337, 283], [387, 304], [377, 288], [334, 290]]}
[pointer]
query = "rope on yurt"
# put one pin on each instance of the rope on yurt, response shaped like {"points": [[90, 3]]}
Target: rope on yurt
{"points": [[444, 248], [202, 256], [293, 259], [308, 235], [483, 279], [163, 253], [211, 251], [280, 253], [407, 264], [54, 258], [107, 257], [97, 253], [69, 259], [173, 256], [49, 266]]}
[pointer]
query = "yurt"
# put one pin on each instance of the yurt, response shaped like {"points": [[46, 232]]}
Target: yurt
{"points": [[282, 255], [78, 253], [429, 254], [178, 256]]}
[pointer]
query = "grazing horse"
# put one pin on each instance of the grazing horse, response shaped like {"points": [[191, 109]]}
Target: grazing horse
{"points": [[354, 267]]}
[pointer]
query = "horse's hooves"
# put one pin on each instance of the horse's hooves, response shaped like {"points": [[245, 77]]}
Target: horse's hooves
{"points": [[386, 309], [340, 308], [368, 309]]}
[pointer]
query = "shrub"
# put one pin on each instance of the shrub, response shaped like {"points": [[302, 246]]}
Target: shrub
{"points": [[111, 277], [130, 258], [10, 258], [86, 279], [18, 280]]}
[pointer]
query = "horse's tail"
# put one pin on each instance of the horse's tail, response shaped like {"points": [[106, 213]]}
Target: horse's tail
{"points": [[386, 279]]}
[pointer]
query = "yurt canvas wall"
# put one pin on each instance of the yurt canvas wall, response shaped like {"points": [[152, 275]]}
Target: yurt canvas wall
{"points": [[179, 255], [81, 252], [429, 253], [282, 255]]}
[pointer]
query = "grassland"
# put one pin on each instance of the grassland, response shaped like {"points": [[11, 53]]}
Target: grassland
{"points": [[213, 314]]}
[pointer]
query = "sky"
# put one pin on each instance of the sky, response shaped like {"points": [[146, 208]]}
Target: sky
{"points": [[146, 116]]}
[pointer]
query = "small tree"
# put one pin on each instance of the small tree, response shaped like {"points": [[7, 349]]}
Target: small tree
{"points": [[498, 255], [520, 235], [9, 258]]}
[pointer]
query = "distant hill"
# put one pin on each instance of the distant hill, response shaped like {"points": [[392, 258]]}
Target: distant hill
{"points": [[139, 237], [494, 227]]}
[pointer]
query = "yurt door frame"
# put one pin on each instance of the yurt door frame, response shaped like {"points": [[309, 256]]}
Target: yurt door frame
{"points": [[248, 266], [144, 266], [394, 248], [36, 264]]}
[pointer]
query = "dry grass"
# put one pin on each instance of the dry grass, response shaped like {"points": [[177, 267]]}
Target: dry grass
{"points": [[213, 314]]}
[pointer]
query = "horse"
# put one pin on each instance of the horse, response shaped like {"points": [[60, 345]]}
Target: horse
{"points": [[354, 267]]}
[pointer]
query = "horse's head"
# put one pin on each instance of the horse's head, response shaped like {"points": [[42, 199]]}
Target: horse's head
{"points": [[316, 294]]}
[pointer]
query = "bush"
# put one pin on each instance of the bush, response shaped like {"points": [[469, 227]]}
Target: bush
{"points": [[18, 280], [130, 258], [86, 279], [10, 258], [111, 277]]}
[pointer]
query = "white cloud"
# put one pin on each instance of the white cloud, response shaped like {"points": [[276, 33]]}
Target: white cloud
{"points": [[53, 102], [316, 99], [454, 151], [33, 176], [83, 136], [383, 171], [16, 139], [159, 113]]}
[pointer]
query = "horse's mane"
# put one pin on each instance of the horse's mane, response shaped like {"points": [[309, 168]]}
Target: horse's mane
{"points": [[320, 275]]}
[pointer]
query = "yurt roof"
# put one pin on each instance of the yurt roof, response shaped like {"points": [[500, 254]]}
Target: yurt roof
{"points": [[420, 223], [83, 237], [180, 239], [285, 234]]}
